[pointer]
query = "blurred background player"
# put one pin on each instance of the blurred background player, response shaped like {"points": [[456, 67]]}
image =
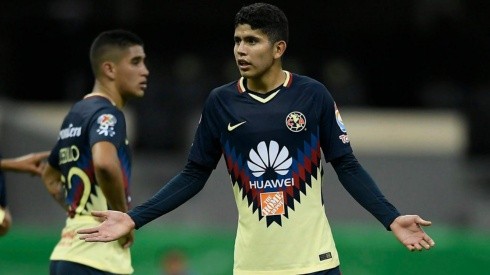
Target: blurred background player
{"points": [[174, 261], [272, 127], [31, 163], [90, 165]]}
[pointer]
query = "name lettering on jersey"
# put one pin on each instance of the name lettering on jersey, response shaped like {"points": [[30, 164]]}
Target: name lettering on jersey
{"points": [[106, 125], [296, 121], [68, 154], [70, 131]]}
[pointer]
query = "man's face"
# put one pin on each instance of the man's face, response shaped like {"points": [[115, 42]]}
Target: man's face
{"points": [[131, 73], [253, 51]]}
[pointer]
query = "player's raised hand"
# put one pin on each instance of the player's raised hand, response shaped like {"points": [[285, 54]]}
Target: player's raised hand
{"points": [[114, 225], [409, 232]]}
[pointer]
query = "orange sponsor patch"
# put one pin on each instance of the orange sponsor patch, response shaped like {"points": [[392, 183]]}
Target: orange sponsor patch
{"points": [[272, 203]]}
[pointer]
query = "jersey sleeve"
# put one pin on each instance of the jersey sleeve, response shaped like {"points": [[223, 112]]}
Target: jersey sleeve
{"points": [[107, 124], [206, 149], [333, 133]]}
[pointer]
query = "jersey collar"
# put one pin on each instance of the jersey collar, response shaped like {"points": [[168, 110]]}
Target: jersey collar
{"points": [[287, 82]]}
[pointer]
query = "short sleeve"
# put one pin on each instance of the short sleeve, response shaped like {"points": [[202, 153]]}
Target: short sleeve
{"points": [[109, 125]]}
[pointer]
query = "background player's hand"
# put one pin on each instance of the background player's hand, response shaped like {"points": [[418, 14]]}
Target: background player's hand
{"points": [[114, 225], [31, 163], [409, 232]]}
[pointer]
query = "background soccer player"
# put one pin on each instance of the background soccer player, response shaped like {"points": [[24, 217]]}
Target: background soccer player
{"points": [[31, 163], [272, 127], [90, 165]]}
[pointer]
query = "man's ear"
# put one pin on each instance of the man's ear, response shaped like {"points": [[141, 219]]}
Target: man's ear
{"points": [[109, 69], [279, 48]]}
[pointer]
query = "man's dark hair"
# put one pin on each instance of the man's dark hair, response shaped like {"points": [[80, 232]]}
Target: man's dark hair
{"points": [[107, 42], [266, 17]]}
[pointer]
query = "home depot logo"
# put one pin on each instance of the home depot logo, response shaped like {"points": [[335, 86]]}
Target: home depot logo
{"points": [[272, 203]]}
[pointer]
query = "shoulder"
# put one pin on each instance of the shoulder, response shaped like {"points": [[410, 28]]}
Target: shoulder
{"points": [[308, 83], [95, 110], [227, 89], [98, 105], [310, 87], [223, 94]]}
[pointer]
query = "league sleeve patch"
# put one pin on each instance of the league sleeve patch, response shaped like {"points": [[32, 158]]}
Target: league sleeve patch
{"points": [[339, 119], [106, 125]]}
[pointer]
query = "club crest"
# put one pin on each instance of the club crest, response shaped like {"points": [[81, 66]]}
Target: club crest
{"points": [[296, 121]]}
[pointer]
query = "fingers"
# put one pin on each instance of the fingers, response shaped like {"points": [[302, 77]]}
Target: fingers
{"points": [[423, 222], [425, 244], [429, 240], [128, 243], [99, 214], [422, 244], [43, 155], [88, 237], [88, 231]]}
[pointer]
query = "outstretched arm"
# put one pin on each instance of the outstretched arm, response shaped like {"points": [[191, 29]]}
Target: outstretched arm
{"points": [[31, 163], [362, 187], [176, 192], [407, 229]]}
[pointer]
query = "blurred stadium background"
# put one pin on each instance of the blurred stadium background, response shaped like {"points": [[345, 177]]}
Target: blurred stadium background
{"points": [[411, 79]]}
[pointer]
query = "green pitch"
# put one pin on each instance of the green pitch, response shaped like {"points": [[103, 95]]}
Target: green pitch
{"points": [[364, 250]]}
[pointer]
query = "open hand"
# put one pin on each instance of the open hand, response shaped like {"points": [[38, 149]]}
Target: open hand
{"points": [[409, 232], [114, 226]]}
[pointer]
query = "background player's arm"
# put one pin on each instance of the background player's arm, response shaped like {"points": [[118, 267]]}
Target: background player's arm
{"points": [[52, 181], [110, 179], [109, 174], [30, 163]]}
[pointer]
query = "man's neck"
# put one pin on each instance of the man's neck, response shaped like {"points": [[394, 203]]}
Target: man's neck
{"points": [[101, 90], [266, 83]]}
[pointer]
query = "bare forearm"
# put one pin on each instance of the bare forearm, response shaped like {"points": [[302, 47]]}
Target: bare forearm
{"points": [[52, 181], [110, 180], [30, 163], [59, 197]]}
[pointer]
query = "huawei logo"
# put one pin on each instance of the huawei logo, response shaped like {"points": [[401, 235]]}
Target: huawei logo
{"points": [[271, 157]]}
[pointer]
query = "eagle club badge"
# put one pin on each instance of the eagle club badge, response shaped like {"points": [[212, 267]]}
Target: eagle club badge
{"points": [[296, 121]]}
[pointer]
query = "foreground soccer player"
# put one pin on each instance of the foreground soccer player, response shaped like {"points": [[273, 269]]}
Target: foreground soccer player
{"points": [[31, 163], [272, 127], [90, 165]]}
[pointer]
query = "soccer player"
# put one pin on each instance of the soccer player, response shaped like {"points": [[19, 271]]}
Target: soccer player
{"points": [[271, 126], [31, 163], [90, 165]]}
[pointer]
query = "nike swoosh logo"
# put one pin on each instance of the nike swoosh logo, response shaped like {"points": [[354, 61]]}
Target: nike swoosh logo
{"points": [[231, 128]]}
